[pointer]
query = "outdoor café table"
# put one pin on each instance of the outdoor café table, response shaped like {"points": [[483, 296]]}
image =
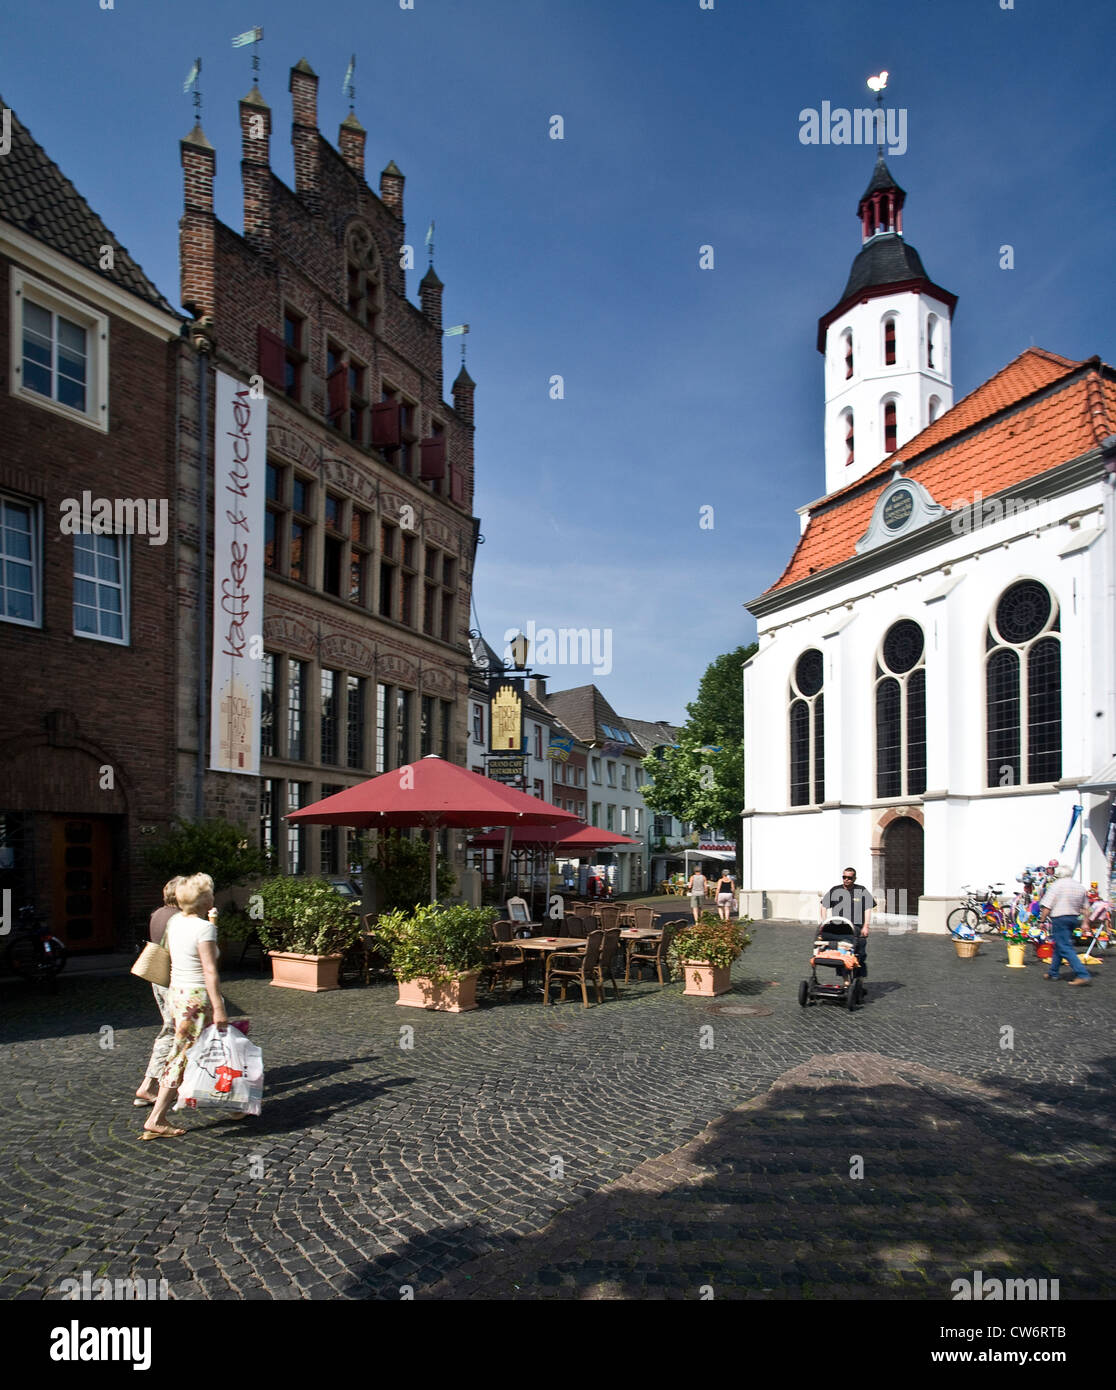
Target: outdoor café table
{"points": [[541, 945]]}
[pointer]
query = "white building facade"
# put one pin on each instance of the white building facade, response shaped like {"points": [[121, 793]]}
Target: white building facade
{"points": [[935, 687]]}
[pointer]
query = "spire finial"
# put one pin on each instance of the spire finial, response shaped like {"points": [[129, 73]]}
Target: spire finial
{"points": [[348, 87], [462, 329], [877, 84], [430, 242], [192, 81], [253, 37]]}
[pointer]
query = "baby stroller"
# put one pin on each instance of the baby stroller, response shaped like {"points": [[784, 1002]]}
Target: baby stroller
{"points": [[835, 950]]}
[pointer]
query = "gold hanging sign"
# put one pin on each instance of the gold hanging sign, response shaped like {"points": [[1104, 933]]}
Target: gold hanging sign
{"points": [[506, 720]]}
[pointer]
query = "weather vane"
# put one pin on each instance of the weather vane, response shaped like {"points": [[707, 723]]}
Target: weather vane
{"points": [[348, 88], [430, 242], [877, 85], [462, 329], [192, 81], [253, 37]]}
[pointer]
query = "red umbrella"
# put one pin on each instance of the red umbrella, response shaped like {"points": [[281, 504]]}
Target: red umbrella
{"points": [[558, 837], [434, 794]]}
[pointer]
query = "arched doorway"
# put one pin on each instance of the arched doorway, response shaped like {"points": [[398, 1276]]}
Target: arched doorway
{"points": [[902, 866]]}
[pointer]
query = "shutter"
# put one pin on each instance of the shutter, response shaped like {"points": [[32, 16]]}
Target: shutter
{"points": [[271, 355], [338, 387], [433, 453], [457, 486], [385, 424]]}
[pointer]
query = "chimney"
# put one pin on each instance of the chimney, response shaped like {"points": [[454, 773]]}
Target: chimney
{"points": [[351, 144], [255, 169], [391, 189], [196, 226], [304, 131], [463, 388], [537, 686]]}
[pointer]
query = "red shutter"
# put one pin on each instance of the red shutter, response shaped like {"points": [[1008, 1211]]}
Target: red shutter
{"points": [[385, 424], [271, 355], [457, 486], [433, 452], [338, 385]]}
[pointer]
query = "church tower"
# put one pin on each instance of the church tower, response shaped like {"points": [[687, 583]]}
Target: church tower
{"points": [[886, 343]]}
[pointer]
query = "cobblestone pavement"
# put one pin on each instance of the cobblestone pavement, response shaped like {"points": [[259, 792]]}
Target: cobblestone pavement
{"points": [[653, 1147]]}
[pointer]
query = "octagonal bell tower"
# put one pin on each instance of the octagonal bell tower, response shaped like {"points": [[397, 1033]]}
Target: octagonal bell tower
{"points": [[886, 343]]}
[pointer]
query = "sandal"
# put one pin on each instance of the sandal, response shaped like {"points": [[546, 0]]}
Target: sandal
{"points": [[167, 1133]]}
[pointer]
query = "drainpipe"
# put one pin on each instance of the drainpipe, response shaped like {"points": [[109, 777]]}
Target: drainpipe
{"points": [[202, 345]]}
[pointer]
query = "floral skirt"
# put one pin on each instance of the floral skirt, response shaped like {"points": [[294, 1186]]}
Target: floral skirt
{"points": [[192, 1012]]}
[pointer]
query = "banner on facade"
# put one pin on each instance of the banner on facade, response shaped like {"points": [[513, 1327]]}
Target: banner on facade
{"points": [[561, 746], [239, 481], [717, 846]]}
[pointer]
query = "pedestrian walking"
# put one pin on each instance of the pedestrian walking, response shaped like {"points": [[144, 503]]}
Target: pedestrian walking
{"points": [[853, 902], [194, 995], [725, 891], [696, 890], [1062, 907], [148, 1092]]}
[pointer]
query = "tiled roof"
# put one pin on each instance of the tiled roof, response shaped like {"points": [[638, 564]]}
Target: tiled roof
{"points": [[584, 710], [885, 260], [881, 179], [993, 439], [652, 734], [40, 200]]}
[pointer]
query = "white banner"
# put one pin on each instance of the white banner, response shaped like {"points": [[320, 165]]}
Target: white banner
{"points": [[240, 478]]}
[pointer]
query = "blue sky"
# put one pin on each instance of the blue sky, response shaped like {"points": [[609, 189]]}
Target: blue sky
{"points": [[683, 387]]}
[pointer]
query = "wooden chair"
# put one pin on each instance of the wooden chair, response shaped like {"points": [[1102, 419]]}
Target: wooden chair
{"points": [[506, 956], [651, 953], [562, 967], [606, 965], [610, 916], [578, 926], [645, 918]]}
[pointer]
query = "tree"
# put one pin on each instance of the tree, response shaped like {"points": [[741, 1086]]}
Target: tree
{"points": [[702, 778], [400, 869], [214, 847]]}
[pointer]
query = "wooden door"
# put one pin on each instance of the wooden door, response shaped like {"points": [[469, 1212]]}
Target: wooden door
{"points": [[81, 883], [903, 880]]}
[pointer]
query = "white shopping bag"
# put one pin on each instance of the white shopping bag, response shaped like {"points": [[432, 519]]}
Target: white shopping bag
{"points": [[224, 1071]]}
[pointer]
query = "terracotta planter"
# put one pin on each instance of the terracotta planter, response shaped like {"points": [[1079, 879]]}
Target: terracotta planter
{"points": [[457, 997], [315, 973], [1015, 957], [703, 978]]}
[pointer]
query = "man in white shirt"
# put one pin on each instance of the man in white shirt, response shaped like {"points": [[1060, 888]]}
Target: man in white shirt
{"points": [[1062, 907]]}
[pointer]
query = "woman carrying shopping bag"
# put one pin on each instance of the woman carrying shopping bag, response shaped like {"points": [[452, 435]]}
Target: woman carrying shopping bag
{"points": [[148, 1092], [194, 996]]}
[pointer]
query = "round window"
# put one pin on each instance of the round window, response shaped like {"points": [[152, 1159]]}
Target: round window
{"points": [[808, 673], [902, 646], [1023, 611]]}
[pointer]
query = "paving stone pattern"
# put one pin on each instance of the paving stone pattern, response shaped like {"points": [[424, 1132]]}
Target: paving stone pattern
{"points": [[622, 1151]]}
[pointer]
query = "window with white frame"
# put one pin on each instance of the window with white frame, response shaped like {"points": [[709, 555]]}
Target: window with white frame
{"points": [[20, 562], [59, 352], [101, 587], [595, 767]]}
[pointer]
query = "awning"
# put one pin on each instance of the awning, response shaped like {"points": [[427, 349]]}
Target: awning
{"points": [[710, 854], [1102, 781]]}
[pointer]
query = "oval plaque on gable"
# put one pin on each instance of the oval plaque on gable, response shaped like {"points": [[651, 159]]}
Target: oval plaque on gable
{"points": [[898, 508]]}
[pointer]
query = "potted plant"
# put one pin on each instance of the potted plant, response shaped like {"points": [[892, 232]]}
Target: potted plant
{"points": [[1015, 938], [706, 950], [306, 927], [437, 953]]}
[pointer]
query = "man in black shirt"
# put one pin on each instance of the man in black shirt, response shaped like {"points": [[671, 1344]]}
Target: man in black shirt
{"points": [[852, 901]]}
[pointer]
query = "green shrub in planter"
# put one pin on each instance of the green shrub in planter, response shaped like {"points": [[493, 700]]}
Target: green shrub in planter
{"points": [[711, 940], [305, 916], [436, 943]]}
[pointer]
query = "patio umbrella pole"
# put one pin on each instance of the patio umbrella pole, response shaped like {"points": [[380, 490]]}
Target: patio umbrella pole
{"points": [[433, 865]]}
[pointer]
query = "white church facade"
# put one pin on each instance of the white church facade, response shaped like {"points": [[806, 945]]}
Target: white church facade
{"points": [[935, 686]]}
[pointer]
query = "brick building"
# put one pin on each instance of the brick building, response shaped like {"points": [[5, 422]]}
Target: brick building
{"points": [[88, 348], [370, 536]]}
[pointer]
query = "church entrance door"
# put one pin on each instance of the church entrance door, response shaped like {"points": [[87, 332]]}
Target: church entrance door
{"points": [[902, 867]]}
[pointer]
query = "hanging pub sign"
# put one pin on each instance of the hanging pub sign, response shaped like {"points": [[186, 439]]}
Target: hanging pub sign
{"points": [[506, 719], [506, 767], [239, 480]]}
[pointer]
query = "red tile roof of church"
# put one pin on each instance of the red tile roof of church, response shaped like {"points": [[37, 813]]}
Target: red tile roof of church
{"points": [[988, 441]]}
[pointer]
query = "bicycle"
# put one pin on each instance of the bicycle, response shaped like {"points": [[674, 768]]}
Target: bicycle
{"points": [[981, 914], [34, 952]]}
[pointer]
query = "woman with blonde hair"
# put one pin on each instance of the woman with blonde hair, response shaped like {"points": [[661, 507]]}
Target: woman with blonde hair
{"points": [[194, 996]]}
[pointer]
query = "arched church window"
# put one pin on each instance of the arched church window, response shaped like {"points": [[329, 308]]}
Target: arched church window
{"points": [[890, 426], [850, 440], [1023, 687], [846, 338], [889, 340], [807, 731], [934, 409], [901, 711], [932, 342]]}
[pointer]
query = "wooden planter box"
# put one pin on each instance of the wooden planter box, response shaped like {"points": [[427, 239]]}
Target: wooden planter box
{"points": [[315, 973], [457, 997], [703, 978]]}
